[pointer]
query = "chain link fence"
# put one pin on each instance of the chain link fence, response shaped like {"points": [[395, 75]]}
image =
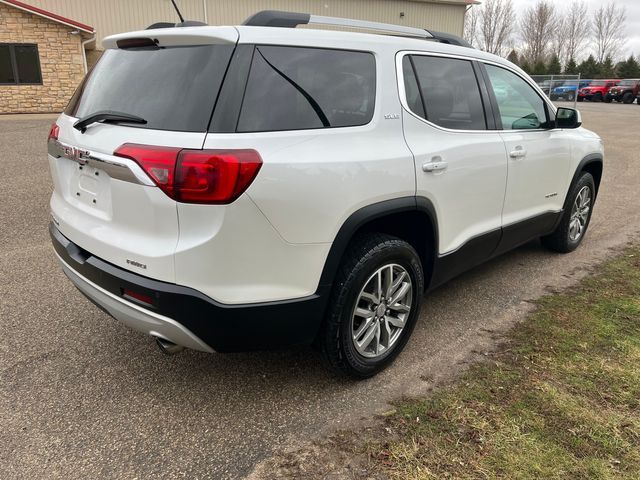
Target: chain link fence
{"points": [[561, 88]]}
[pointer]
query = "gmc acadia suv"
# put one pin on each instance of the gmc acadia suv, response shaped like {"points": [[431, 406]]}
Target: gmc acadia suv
{"points": [[250, 187]]}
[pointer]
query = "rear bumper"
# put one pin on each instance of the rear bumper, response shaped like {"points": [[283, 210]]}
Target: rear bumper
{"points": [[185, 316]]}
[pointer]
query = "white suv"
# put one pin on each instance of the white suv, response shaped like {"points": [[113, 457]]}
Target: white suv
{"points": [[249, 187]]}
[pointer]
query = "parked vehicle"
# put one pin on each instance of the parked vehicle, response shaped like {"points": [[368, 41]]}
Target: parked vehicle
{"points": [[626, 91], [547, 85], [250, 187], [597, 91], [568, 90]]}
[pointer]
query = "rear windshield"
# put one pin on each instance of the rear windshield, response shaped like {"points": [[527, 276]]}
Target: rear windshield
{"points": [[172, 88]]}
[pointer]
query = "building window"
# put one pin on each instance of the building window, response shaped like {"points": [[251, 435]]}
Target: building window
{"points": [[19, 64]]}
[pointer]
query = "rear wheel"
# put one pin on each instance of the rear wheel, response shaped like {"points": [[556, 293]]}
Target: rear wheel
{"points": [[571, 96], [575, 220], [627, 98], [374, 305], [597, 97], [608, 98], [581, 99]]}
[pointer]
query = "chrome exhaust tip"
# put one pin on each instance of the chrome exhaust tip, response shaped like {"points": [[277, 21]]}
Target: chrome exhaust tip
{"points": [[167, 347]]}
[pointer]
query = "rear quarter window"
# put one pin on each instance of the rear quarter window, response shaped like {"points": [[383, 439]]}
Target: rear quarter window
{"points": [[172, 88], [295, 88]]}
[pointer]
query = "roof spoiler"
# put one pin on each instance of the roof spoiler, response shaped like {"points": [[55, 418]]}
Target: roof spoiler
{"points": [[275, 18]]}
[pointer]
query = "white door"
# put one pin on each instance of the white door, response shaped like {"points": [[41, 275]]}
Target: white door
{"points": [[539, 157], [461, 167]]}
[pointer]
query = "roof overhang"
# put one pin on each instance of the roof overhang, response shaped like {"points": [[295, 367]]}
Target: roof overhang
{"points": [[81, 27]]}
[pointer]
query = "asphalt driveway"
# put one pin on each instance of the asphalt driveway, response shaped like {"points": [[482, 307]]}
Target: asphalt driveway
{"points": [[81, 396]]}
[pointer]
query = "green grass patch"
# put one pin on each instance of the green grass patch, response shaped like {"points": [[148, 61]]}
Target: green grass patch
{"points": [[561, 400]]}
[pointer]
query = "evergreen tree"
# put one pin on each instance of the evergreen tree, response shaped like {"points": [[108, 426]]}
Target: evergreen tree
{"points": [[571, 68], [554, 67], [526, 66], [606, 68], [630, 68], [540, 68], [513, 57], [589, 68]]}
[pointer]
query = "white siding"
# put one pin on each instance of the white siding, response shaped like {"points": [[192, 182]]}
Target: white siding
{"points": [[116, 16]]}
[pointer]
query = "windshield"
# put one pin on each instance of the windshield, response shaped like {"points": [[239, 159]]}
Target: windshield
{"points": [[628, 83], [171, 88]]}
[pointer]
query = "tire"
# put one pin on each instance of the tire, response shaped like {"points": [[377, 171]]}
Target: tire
{"points": [[356, 287], [581, 99], [571, 96], [627, 98], [563, 239], [597, 97], [608, 99], [553, 97]]}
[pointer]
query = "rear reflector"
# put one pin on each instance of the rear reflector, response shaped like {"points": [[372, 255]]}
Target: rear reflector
{"points": [[140, 297], [196, 176], [54, 131]]}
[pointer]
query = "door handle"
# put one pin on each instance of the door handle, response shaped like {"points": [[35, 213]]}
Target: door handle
{"points": [[519, 152], [436, 165]]}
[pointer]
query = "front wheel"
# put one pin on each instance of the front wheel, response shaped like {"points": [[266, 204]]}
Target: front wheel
{"points": [[575, 221], [608, 99], [374, 305], [581, 99], [597, 97], [627, 98], [571, 96]]}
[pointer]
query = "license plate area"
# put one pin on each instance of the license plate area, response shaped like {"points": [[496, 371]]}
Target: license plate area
{"points": [[90, 188]]}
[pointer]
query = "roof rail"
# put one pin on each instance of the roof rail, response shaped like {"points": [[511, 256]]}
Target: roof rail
{"points": [[275, 18]]}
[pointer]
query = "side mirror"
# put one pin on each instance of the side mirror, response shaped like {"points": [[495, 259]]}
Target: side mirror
{"points": [[568, 118]]}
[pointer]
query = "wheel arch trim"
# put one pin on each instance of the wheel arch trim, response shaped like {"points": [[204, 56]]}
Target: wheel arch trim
{"points": [[594, 159], [365, 215]]}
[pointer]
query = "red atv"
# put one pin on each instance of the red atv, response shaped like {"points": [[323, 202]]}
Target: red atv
{"points": [[626, 91], [597, 91]]}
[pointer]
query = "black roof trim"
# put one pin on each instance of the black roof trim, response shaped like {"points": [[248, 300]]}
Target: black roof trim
{"points": [[275, 18], [450, 39]]}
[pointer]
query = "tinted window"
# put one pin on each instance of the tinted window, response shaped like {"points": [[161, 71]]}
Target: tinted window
{"points": [[6, 67], [171, 88], [28, 64], [450, 92], [412, 92], [521, 108], [19, 64], [291, 88]]}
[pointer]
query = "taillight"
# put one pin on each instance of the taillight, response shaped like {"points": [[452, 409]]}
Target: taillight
{"points": [[196, 176], [54, 131]]}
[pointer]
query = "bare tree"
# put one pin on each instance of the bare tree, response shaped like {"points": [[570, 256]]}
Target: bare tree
{"points": [[471, 18], [538, 27], [575, 30], [490, 26], [608, 30], [497, 21], [558, 44]]}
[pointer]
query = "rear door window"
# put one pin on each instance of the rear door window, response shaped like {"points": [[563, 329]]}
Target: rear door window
{"points": [[295, 88], [172, 88], [449, 91]]}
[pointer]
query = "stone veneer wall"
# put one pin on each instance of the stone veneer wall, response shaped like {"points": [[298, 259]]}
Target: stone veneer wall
{"points": [[60, 61]]}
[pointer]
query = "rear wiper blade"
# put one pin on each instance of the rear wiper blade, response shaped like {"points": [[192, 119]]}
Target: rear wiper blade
{"points": [[106, 116]]}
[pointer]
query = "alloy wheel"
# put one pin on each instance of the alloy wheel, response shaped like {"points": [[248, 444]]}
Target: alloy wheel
{"points": [[381, 311], [580, 214]]}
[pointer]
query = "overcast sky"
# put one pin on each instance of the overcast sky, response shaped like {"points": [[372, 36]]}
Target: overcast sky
{"points": [[633, 18]]}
